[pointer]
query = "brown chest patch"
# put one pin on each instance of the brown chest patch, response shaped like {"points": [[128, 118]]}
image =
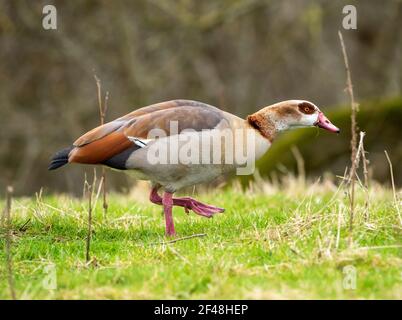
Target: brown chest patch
{"points": [[262, 125]]}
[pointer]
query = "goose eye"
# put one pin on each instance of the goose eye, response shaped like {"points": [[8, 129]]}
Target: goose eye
{"points": [[306, 108]]}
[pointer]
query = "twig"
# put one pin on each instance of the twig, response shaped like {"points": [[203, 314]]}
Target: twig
{"points": [[393, 187], [198, 235], [102, 115], [88, 240], [7, 224], [23, 227], [89, 189], [105, 204], [99, 90], [353, 140], [366, 180]]}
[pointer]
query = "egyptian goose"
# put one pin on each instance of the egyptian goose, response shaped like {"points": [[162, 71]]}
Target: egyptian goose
{"points": [[179, 143]]}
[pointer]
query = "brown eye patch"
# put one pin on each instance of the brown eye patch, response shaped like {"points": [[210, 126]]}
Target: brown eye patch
{"points": [[306, 108]]}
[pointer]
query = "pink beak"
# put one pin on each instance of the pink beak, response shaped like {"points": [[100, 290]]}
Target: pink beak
{"points": [[324, 123]]}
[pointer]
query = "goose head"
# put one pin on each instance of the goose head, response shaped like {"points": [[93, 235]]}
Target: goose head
{"points": [[288, 115]]}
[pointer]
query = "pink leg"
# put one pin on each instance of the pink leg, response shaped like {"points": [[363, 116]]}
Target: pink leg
{"points": [[187, 203], [198, 207], [167, 202], [154, 197]]}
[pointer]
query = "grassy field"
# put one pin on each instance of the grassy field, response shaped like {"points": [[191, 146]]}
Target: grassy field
{"points": [[271, 243]]}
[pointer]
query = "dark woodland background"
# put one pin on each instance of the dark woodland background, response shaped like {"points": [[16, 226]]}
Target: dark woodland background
{"points": [[237, 55]]}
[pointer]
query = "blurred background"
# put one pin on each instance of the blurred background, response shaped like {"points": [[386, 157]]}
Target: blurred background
{"points": [[239, 55]]}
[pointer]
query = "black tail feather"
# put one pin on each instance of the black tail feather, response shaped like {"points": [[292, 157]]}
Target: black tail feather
{"points": [[60, 158]]}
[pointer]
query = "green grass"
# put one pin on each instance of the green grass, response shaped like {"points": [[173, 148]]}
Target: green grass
{"points": [[269, 244]]}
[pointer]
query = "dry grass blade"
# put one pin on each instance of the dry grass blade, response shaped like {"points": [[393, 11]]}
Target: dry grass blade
{"points": [[391, 170], [300, 164], [366, 177], [338, 231], [98, 192]]}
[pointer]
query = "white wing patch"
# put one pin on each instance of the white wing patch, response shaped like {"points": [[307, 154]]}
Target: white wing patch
{"points": [[142, 143]]}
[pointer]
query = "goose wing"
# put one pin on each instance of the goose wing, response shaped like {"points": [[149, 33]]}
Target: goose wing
{"points": [[119, 136]]}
